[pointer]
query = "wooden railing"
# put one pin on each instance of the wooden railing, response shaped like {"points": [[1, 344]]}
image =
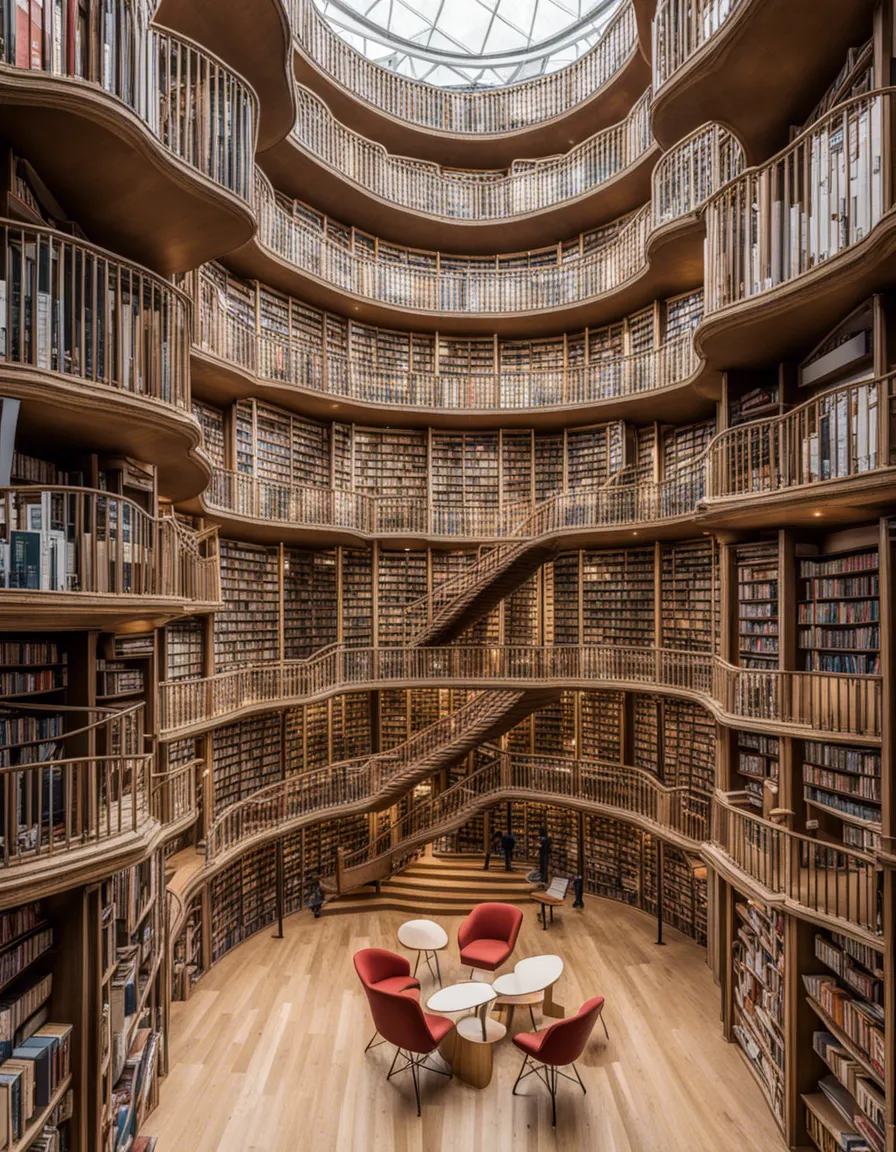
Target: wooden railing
{"points": [[451, 194], [681, 28], [465, 112], [459, 285], [75, 309], [798, 701], [82, 540], [222, 332], [615, 788], [243, 494], [837, 434], [832, 881], [363, 781], [199, 109], [820, 196], [173, 796], [692, 171], [62, 801]]}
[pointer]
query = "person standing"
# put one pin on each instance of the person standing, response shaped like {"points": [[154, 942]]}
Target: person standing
{"points": [[544, 854], [508, 843], [493, 849]]}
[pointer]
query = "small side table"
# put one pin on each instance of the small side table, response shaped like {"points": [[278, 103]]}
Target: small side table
{"points": [[468, 1048], [427, 939], [546, 902]]}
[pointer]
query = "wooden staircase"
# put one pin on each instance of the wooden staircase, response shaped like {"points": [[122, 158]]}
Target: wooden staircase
{"points": [[459, 603], [439, 886], [486, 717]]}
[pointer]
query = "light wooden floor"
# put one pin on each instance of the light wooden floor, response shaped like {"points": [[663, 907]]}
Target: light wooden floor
{"points": [[268, 1054]]}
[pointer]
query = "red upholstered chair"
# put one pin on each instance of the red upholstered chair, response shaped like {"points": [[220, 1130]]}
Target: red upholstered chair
{"points": [[558, 1047], [488, 935], [385, 971], [401, 1021]]}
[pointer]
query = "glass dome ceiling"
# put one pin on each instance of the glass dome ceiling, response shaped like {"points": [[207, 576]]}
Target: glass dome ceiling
{"points": [[470, 43]]}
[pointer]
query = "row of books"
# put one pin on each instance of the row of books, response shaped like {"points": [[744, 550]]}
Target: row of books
{"points": [[865, 787], [836, 638], [838, 612], [24, 682], [861, 1022], [15, 958], [114, 679], [30, 1078], [32, 652], [842, 804], [836, 589], [19, 728]]}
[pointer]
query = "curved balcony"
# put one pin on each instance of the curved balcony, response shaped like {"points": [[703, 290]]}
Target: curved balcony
{"points": [[798, 704], [256, 39], [265, 511], [469, 128], [821, 459], [69, 820], [596, 786], [98, 352], [793, 246], [98, 560], [825, 883], [533, 293], [233, 358], [418, 202], [737, 57], [154, 142]]}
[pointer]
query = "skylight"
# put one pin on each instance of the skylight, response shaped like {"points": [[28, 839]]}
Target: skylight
{"points": [[470, 43]]}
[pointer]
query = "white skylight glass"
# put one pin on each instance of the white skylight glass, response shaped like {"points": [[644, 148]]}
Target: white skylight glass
{"points": [[470, 43]]}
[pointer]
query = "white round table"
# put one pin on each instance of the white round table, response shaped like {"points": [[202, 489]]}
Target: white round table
{"points": [[426, 938], [468, 1049], [528, 984]]}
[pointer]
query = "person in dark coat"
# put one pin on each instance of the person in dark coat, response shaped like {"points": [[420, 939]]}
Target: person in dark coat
{"points": [[508, 843], [493, 850], [544, 854]]}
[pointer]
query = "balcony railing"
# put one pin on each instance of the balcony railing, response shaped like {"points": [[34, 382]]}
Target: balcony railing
{"points": [[424, 283], [459, 112], [173, 795], [200, 110], [681, 28], [63, 802], [795, 701], [311, 796], [242, 494], [620, 790], [223, 332], [837, 434], [820, 196], [692, 171], [76, 310], [476, 195], [79, 540], [833, 881]]}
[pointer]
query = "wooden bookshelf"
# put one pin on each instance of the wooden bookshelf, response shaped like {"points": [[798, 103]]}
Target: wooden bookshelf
{"points": [[759, 980], [839, 613]]}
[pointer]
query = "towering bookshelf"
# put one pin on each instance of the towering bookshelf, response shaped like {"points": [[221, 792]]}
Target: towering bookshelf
{"points": [[759, 983], [842, 789], [757, 605], [689, 604], [846, 995], [247, 630], [839, 612]]}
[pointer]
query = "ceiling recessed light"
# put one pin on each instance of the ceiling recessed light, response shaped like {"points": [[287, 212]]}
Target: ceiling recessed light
{"points": [[818, 513]]}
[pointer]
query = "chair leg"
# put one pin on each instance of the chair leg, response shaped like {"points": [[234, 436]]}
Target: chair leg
{"points": [[579, 1078], [392, 1066], [416, 1084], [373, 1042], [606, 1032], [552, 1085], [522, 1070]]}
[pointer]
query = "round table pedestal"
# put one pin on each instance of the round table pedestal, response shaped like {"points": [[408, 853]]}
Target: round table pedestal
{"points": [[507, 1004], [471, 1057]]}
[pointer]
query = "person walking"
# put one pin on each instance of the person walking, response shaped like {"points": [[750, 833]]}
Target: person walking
{"points": [[494, 849], [508, 843]]}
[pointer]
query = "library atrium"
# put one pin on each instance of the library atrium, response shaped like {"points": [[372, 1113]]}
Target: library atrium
{"points": [[447, 575]]}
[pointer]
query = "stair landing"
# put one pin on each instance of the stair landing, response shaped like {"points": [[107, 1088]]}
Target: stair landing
{"points": [[440, 885]]}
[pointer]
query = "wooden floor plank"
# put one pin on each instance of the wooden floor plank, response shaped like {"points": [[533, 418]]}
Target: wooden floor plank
{"points": [[268, 1054]]}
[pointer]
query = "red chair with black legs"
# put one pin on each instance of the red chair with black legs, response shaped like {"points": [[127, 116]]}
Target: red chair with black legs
{"points": [[401, 1021], [385, 971], [488, 936], [559, 1047]]}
